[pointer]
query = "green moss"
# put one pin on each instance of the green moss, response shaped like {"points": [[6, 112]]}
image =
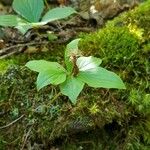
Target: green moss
{"points": [[138, 17], [4, 65], [123, 44], [113, 43], [122, 37]]}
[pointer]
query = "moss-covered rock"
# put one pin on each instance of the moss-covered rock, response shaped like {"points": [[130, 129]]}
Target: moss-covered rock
{"points": [[123, 46], [102, 119]]}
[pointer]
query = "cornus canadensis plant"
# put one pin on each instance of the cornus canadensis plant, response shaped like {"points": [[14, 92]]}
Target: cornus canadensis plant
{"points": [[79, 71], [30, 15]]}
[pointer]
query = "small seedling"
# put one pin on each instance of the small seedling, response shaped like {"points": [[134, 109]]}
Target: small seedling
{"points": [[79, 71], [29, 12]]}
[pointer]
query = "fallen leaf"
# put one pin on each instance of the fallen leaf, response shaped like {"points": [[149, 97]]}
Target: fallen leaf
{"points": [[31, 49]]}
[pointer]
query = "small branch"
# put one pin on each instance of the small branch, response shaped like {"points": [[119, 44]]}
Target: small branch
{"points": [[11, 53], [8, 125], [4, 50], [25, 138]]}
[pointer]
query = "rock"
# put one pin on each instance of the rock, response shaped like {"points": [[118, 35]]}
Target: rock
{"points": [[101, 10]]}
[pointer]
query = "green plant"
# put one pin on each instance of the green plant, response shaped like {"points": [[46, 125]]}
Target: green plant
{"points": [[30, 15], [79, 70]]}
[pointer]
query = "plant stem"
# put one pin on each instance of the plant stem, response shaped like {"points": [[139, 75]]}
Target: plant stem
{"points": [[54, 98], [47, 6], [8, 125]]}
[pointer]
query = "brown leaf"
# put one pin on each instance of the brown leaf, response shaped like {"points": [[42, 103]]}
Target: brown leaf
{"points": [[2, 44], [31, 49]]}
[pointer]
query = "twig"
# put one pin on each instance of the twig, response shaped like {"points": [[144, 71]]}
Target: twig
{"points": [[25, 139], [11, 53], [8, 125], [21, 45]]}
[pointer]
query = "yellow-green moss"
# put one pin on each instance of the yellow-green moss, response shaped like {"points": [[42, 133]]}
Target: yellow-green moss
{"points": [[111, 42], [3, 65], [139, 17], [121, 38]]}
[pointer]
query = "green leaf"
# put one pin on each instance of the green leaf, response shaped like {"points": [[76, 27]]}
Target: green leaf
{"points": [[10, 20], [41, 65], [50, 76], [57, 13], [29, 9], [51, 36], [49, 72], [72, 88], [100, 77], [72, 49], [23, 28], [87, 63]]}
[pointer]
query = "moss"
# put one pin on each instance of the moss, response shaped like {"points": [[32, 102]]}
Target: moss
{"points": [[4, 65], [19, 96], [141, 18], [112, 43], [122, 37], [138, 18], [123, 45]]}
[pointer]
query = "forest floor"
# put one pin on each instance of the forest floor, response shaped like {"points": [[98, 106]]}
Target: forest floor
{"points": [[102, 119]]}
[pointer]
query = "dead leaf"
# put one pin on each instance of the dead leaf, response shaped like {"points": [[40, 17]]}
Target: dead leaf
{"points": [[2, 44], [31, 49]]}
